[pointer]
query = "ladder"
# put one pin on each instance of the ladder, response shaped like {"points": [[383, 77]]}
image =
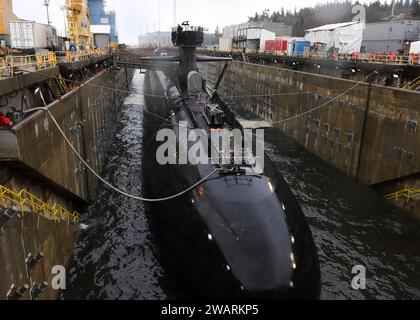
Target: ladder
{"points": [[57, 87]]}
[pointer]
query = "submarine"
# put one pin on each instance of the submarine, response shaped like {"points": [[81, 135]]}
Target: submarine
{"points": [[240, 234]]}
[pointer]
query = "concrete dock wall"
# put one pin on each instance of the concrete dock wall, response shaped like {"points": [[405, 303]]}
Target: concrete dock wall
{"points": [[370, 133], [35, 157], [32, 234], [88, 116]]}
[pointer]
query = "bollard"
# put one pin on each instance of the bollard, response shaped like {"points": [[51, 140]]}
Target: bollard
{"points": [[37, 289], [17, 293], [31, 262]]}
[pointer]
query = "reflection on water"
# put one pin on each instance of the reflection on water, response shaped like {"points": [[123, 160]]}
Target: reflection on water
{"points": [[114, 257]]}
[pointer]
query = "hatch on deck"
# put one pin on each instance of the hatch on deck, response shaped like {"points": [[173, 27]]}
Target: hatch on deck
{"points": [[214, 115]]}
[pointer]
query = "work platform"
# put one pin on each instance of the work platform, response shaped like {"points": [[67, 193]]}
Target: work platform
{"points": [[391, 72], [24, 80]]}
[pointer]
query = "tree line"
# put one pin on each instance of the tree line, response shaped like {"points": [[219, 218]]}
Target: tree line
{"points": [[335, 12]]}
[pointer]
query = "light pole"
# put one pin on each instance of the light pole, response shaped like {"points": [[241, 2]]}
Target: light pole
{"points": [[159, 23], [47, 4], [174, 13], [64, 9]]}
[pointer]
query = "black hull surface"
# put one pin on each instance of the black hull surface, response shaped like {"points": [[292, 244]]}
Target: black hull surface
{"points": [[234, 237]]}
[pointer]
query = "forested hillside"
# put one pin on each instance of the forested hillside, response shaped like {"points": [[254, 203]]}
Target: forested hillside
{"points": [[335, 12]]}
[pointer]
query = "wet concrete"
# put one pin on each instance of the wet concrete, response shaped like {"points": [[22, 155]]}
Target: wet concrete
{"points": [[115, 256], [32, 234]]}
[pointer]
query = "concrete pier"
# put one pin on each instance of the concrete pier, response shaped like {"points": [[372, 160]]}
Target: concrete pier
{"points": [[35, 157]]}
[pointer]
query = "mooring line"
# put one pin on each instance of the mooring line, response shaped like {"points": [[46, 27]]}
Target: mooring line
{"points": [[109, 184], [326, 103]]}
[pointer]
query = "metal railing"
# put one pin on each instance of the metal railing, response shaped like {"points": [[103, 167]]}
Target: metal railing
{"points": [[26, 201], [405, 194], [395, 59], [413, 84], [81, 55], [412, 59], [11, 65]]}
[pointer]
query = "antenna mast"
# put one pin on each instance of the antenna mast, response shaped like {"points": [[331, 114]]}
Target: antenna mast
{"points": [[174, 13]]}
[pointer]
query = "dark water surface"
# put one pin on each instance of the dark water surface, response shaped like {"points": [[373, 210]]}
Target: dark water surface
{"points": [[115, 257]]}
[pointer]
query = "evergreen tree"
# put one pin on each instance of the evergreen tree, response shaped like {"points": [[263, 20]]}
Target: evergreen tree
{"points": [[415, 6], [340, 11]]}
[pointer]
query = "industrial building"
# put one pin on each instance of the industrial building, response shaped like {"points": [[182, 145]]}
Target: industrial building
{"points": [[390, 36], [156, 39], [252, 39], [280, 29], [252, 36], [100, 16]]}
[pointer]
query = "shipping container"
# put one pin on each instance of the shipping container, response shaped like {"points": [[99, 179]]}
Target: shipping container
{"points": [[264, 35], [31, 35], [284, 45], [299, 47], [276, 45], [269, 45]]}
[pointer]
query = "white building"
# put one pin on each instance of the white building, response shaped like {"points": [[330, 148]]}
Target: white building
{"points": [[252, 39], [346, 37], [390, 36], [280, 29], [156, 39]]}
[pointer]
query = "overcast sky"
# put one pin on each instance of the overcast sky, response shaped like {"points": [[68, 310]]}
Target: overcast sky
{"points": [[138, 16]]}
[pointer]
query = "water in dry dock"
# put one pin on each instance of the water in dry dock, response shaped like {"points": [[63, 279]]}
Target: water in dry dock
{"points": [[115, 257]]}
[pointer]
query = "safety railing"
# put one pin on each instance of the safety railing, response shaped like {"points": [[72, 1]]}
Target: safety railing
{"points": [[405, 194], [26, 201], [412, 59], [11, 65], [413, 84], [81, 55]]}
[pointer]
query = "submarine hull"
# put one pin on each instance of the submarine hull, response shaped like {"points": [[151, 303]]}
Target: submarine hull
{"points": [[233, 237]]}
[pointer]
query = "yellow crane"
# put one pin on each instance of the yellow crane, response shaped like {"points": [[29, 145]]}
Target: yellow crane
{"points": [[6, 15], [78, 23]]}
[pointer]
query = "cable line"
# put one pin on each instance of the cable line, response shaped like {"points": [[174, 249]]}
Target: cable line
{"points": [[109, 185]]}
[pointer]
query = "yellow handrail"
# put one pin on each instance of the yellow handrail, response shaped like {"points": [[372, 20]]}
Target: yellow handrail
{"points": [[72, 56], [405, 194], [411, 85], [39, 61], [26, 200]]}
